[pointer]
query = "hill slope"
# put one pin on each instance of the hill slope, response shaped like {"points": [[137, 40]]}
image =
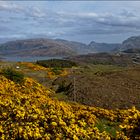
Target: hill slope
{"points": [[50, 47], [28, 112], [104, 58], [36, 47], [59, 47], [102, 47], [131, 43]]}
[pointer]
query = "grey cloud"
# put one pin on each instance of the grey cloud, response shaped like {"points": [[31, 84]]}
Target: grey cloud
{"points": [[13, 36], [23, 12], [34, 21], [34, 12], [127, 13], [103, 23], [4, 29], [92, 23], [105, 31], [9, 6], [122, 19], [4, 20], [48, 34]]}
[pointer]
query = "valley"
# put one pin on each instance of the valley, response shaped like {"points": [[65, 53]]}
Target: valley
{"points": [[79, 96]]}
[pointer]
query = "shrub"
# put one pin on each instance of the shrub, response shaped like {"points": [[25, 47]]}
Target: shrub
{"points": [[57, 71], [13, 75], [56, 63]]}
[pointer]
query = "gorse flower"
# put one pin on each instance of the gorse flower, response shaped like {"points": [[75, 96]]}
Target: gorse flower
{"points": [[29, 113]]}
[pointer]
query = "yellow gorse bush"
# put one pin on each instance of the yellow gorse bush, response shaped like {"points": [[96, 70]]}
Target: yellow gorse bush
{"points": [[50, 73], [32, 66], [28, 112]]}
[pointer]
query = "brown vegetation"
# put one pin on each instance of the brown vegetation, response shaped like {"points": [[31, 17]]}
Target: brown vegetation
{"points": [[108, 88]]}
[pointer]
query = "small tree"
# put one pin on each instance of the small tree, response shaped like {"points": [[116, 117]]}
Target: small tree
{"points": [[13, 75]]}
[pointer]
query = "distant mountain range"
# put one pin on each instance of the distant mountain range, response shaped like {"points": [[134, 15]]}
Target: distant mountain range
{"points": [[124, 54], [102, 47], [36, 47], [131, 43], [64, 48]]}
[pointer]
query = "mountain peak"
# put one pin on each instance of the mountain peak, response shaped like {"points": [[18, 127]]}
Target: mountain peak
{"points": [[131, 43]]}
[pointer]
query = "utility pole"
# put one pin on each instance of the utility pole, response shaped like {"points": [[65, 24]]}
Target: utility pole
{"points": [[74, 91], [74, 85]]}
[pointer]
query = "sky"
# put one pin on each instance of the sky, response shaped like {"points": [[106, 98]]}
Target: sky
{"points": [[83, 21]]}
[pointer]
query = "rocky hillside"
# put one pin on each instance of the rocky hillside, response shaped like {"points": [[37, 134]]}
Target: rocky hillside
{"points": [[102, 47], [52, 47], [104, 58], [131, 43], [37, 47], [78, 47], [61, 48]]}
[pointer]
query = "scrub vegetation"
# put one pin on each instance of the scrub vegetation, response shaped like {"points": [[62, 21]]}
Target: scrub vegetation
{"points": [[32, 109]]}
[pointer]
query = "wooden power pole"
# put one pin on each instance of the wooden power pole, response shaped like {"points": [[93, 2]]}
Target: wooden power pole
{"points": [[74, 91]]}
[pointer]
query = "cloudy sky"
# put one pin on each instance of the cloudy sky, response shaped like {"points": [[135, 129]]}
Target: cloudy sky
{"points": [[84, 21]]}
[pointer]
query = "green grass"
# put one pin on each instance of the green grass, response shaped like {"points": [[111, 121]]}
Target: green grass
{"points": [[56, 63], [12, 74], [61, 96], [108, 126], [99, 70]]}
